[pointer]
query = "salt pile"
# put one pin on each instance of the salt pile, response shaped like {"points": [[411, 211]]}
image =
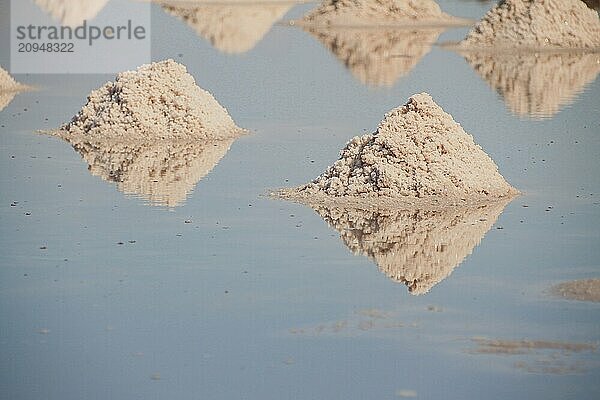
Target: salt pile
{"points": [[9, 88], [537, 24], [153, 131], [379, 12], [157, 101], [418, 152], [377, 57], [418, 248], [536, 85], [72, 12], [233, 28]]}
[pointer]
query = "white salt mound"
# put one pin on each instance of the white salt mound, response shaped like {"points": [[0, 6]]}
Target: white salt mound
{"points": [[9, 88], [537, 24], [157, 101], [417, 151], [8, 83], [372, 12]]}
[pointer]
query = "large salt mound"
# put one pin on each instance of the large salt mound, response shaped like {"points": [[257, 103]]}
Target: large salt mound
{"points": [[377, 57], [417, 151], [536, 24], [231, 28], [536, 85], [378, 12], [157, 101], [418, 248]]}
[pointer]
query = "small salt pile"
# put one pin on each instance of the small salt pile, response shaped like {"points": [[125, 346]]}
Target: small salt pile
{"points": [[378, 12], [157, 101], [418, 151], [8, 83], [8, 88], [536, 24]]}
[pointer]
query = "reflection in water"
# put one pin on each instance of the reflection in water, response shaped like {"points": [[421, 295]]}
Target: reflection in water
{"points": [[536, 85], [419, 248], [72, 12], [230, 28], [161, 171], [377, 57]]}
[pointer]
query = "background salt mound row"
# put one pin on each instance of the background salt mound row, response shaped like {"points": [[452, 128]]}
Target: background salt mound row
{"points": [[157, 101], [373, 12], [417, 151], [536, 85], [233, 28], [417, 248], [72, 12], [9, 88], [537, 24], [377, 57], [162, 172]]}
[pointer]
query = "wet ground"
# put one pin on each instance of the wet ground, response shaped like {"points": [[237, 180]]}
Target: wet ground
{"points": [[107, 292]]}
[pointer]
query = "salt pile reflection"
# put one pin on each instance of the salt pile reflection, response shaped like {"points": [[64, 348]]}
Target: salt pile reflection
{"points": [[163, 172], [377, 57], [419, 248], [536, 85]]}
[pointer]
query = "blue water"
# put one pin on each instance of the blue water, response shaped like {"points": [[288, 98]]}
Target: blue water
{"points": [[243, 301]]}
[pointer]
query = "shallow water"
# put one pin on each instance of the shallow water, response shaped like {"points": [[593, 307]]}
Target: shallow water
{"points": [[231, 294]]}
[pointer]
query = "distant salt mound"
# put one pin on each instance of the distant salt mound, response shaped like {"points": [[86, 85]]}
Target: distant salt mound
{"points": [[418, 248], [536, 85], [72, 12], [378, 12], [418, 151], [377, 58], [536, 24], [157, 101], [163, 172], [230, 28], [9, 88]]}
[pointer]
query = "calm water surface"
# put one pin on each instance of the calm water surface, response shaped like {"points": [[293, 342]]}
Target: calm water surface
{"points": [[229, 294]]}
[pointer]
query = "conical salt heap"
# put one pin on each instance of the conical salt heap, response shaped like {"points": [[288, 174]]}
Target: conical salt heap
{"points": [[417, 153], [536, 85], [379, 12], [377, 57], [157, 101], [9, 88], [536, 24], [72, 12], [153, 131], [230, 28], [418, 248]]}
